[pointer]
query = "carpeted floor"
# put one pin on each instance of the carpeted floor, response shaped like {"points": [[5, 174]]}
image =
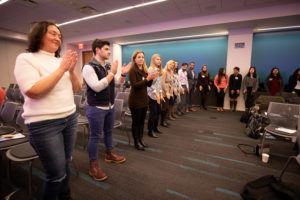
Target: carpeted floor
{"points": [[195, 158]]}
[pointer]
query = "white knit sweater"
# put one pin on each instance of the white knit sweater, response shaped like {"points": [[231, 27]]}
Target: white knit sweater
{"points": [[59, 102]]}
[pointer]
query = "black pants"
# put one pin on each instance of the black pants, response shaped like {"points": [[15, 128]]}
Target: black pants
{"points": [[249, 102], [154, 114], [138, 116], [203, 94], [189, 97], [220, 98], [297, 92]]}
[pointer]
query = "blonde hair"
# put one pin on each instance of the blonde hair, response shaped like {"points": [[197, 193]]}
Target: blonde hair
{"points": [[153, 65], [169, 63], [135, 53]]}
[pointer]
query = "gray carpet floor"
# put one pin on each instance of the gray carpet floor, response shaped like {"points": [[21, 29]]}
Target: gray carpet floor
{"points": [[195, 158]]}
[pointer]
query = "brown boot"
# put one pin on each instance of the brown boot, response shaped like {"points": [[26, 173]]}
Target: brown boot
{"points": [[96, 172], [170, 115], [113, 157]]}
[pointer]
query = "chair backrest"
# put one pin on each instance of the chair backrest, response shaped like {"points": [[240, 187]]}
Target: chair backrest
{"points": [[20, 121], [9, 94], [8, 112], [117, 90], [17, 96], [77, 100], [120, 95], [12, 85], [118, 106], [284, 115], [127, 89], [124, 96]]}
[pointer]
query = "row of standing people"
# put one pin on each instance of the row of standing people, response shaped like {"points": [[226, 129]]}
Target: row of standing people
{"points": [[48, 83]]}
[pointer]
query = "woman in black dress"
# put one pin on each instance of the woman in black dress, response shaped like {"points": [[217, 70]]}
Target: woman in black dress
{"points": [[203, 84], [235, 82]]}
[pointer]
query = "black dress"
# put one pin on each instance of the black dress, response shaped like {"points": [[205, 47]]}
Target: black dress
{"points": [[235, 82]]}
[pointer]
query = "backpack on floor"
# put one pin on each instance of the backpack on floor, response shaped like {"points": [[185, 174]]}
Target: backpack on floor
{"points": [[256, 125], [268, 187]]}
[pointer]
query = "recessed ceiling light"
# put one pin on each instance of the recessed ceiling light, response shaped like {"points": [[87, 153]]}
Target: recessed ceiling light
{"points": [[277, 28], [175, 38], [111, 12]]}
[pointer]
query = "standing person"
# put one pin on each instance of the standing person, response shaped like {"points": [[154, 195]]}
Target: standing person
{"points": [[173, 97], [250, 86], [176, 92], [138, 99], [274, 82], [294, 82], [235, 82], [46, 79], [155, 96], [100, 80], [167, 90], [203, 84], [221, 82], [192, 79], [184, 88]]}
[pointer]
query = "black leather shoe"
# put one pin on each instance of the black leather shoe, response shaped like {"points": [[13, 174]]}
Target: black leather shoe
{"points": [[164, 124], [139, 147], [157, 131], [151, 134], [143, 144]]}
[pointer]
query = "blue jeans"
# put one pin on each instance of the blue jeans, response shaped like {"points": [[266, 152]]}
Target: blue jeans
{"points": [[54, 140], [99, 121]]}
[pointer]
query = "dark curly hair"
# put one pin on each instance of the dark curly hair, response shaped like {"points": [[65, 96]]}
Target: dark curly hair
{"points": [[271, 75], [97, 43], [36, 35], [254, 74]]}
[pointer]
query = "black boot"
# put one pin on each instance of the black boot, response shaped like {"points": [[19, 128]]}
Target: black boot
{"points": [[141, 135], [163, 119], [135, 135], [157, 131], [231, 105], [152, 134], [155, 127], [234, 106]]}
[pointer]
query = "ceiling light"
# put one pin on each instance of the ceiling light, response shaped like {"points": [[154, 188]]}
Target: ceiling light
{"points": [[278, 28], [3, 1], [111, 12], [175, 38]]}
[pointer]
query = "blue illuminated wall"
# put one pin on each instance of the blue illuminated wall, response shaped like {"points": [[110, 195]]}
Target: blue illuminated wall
{"points": [[210, 51], [280, 49]]}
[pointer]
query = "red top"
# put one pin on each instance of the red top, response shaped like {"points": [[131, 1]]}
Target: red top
{"points": [[224, 81], [274, 87], [2, 95]]}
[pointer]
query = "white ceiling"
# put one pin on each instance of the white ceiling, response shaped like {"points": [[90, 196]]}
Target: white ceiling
{"points": [[18, 15]]}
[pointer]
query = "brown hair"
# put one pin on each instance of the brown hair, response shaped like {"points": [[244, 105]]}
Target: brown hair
{"points": [[97, 43], [36, 35], [135, 53]]}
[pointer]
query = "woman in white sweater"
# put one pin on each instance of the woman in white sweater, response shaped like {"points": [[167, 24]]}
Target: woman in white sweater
{"points": [[48, 83]]}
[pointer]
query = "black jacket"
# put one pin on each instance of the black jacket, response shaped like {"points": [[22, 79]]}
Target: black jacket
{"points": [[235, 82]]}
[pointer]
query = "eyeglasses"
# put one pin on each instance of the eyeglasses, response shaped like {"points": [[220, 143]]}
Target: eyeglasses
{"points": [[54, 34]]}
